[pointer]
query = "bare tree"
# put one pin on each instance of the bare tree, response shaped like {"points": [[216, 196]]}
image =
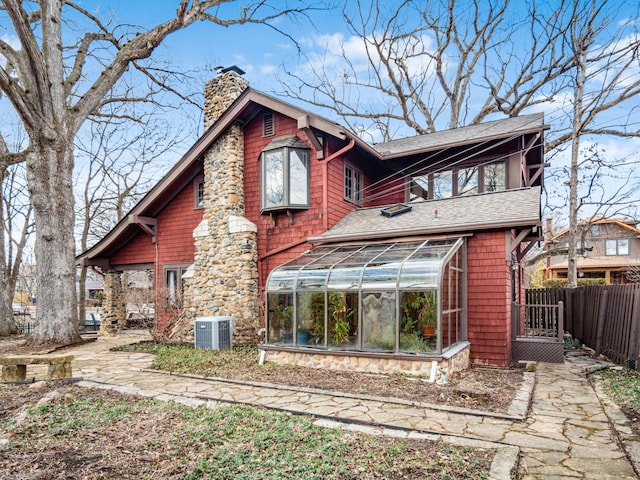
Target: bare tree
{"points": [[426, 66], [15, 214], [435, 65], [54, 83], [608, 69], [119, 161]]}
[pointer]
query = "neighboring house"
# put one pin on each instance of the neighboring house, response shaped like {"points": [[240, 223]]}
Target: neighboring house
{"points": [[346, 253], [608, 250]]}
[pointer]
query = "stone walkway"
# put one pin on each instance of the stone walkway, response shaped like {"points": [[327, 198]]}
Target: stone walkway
{"points": [[570, 431]]}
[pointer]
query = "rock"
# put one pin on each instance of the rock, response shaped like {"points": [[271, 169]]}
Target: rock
{"points": [[37, 385]]}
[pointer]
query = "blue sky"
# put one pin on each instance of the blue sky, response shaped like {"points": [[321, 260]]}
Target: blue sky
{"points": [[259, 50]]}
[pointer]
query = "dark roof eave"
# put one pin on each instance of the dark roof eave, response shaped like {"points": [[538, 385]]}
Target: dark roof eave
{"points": [[423, 231], [471, 141]]}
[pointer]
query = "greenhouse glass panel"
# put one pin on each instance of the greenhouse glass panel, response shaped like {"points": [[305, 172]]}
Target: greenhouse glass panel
{"points": [[310, 310], [378, 298], [312, 278], [342, 319], [378, 321], [418, 321], [417, 275], [281, 279], [280, 315], [345, 277]]}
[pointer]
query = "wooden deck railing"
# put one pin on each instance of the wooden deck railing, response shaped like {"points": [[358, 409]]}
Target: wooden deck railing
{"points": [[605, 318]]}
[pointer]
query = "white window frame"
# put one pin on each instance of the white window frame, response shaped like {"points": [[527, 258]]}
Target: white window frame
{"points": [[173, 294], [198, 187], [352, 184]]}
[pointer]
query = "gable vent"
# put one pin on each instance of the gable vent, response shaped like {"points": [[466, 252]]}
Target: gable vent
{"points": [[268, 127]]}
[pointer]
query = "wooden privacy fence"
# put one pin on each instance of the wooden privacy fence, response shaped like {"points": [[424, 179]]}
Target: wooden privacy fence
{"points": [[605, 318]]}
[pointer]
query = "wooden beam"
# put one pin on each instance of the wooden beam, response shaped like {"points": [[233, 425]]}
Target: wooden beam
{"points": [[304, 125], [148, 224]]}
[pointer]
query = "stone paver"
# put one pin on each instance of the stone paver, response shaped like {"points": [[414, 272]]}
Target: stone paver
{"points": [[568, 432]]}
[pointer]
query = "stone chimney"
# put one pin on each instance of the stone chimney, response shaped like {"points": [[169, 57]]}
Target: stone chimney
{"points": [[221, 92], [223, 280]]}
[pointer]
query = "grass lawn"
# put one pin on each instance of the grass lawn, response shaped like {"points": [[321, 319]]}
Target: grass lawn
{"points": [[623, 387], [92, 434]]}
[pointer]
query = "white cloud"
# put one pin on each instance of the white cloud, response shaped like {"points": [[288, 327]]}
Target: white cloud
{"points": [[268, 69]]}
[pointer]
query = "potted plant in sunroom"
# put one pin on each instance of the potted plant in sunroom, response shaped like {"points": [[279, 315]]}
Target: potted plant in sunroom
{"points": [[420, 311]]}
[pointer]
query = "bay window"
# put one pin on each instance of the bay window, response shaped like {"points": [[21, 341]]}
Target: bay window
{"points": [[285, 175]]}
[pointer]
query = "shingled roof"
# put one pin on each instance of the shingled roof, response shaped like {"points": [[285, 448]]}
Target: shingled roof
{"points": [[505, 209], [463, 135]]}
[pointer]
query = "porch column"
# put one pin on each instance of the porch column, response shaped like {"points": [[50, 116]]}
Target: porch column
{"points": [[114, 311]]}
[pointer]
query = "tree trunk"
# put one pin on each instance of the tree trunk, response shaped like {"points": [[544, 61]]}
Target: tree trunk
{"points": [[49, 170], [578, 96], [82, 295], [7, 323]]}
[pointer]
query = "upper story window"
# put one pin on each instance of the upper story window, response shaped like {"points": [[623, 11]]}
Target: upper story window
{"points": [[468, 181], [443, 184], [617, 247], [595, 230], [494, 177], [352, 184], [460, 181], [198, 192], [285, 174]]}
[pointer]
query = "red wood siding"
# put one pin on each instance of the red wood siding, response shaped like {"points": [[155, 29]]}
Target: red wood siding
{"points": [[139, 249], [176, 223], [277, 231], [488, 299]]}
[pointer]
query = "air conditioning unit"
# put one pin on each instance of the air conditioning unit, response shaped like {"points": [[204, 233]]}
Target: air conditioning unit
{"points": [[213, 333]]}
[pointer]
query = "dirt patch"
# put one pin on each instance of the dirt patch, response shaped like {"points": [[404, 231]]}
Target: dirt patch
{"points": [[476, 388]]}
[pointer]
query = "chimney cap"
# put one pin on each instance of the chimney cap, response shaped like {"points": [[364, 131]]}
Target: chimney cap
{"points": [[232, 68]]}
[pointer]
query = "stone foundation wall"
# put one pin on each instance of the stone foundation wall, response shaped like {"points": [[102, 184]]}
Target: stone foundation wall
{"points": [[381, 365], [114, 307]]}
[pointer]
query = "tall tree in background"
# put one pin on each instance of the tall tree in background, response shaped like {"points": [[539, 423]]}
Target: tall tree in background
{"points": [[419, 67], [605, 74], [16, 221], [434, 65], [118, 161], [54, 82]]}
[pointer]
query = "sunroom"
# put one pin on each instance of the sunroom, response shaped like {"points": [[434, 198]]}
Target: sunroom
{"points": [[397, 300]]}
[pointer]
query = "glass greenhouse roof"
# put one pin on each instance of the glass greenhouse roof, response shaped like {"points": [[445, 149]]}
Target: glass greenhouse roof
{"points": [[390, 266]]}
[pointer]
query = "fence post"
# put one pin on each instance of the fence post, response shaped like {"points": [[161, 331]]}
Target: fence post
{"points": [[601, 319], [634, 344], [560, 321]]}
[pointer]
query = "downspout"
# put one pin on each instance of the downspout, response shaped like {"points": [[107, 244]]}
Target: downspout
{"points": [[325, 180]]}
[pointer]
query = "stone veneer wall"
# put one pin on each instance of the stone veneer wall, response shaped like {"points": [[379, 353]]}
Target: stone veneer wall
{"points": [[456, 363], [114, 310], [224, 277]]}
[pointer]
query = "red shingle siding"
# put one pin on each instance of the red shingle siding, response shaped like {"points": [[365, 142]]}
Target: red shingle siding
{"points": [[139, 249], [488, 299], [278, 230], [176, 223]]}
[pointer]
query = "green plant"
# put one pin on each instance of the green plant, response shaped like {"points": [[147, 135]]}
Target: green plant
{"points": [[282, 317], [340, 318], [419, 309], [413, 342]]}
